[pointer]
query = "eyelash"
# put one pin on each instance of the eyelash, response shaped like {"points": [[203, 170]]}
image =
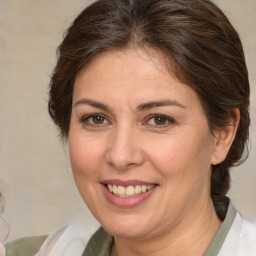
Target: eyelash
{"points": [[167, 120], [85, 119]]}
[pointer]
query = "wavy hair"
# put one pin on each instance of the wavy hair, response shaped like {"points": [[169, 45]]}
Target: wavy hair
{"points": [[199, 43]]}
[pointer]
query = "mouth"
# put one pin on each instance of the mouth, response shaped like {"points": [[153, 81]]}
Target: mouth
{"points": [[128, 191]]}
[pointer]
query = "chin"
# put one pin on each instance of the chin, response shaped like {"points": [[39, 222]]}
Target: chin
{"points": [[126, 234], [128, 228]]}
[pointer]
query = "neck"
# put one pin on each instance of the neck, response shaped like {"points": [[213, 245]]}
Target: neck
{"points": [[188, 238]]}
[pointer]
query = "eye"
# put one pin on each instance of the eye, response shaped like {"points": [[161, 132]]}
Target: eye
{"points": [[160, 120], [98, 119], [94, 119]]}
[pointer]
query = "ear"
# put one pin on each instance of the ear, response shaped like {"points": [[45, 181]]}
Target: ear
{"points": [[224, 138]]}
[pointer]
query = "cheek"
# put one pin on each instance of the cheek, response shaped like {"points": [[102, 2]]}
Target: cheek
{"points": [[85, 154], [169, 155], [185, 157], [86, 157]]}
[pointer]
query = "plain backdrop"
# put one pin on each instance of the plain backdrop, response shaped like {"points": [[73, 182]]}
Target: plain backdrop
{"points": [[35, 174]]}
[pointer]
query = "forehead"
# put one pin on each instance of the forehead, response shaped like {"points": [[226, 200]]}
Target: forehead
{"points": [[130, 75], [121, 62]]}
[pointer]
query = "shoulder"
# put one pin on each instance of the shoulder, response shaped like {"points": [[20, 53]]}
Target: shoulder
{"points": [[70, 240], [27, 246], [67, 240], [241, 238], [248, 238]]}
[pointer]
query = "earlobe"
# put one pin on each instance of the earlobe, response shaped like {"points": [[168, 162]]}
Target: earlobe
{"points": [[224, 138]]}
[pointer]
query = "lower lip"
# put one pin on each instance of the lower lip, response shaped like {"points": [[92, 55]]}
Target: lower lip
{"points": [[127, 202]]}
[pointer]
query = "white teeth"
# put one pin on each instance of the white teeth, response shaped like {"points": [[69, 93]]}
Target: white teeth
{"points": [[137, 189], [128, 191], [150, 187], [143, 188], [110, 187], [115, 189], [121, 190]]}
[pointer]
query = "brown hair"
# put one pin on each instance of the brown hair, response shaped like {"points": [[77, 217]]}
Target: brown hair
{"points": [[201, 46]]}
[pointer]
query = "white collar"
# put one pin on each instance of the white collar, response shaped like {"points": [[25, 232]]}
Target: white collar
{"points": [[241, 239], [69, 240]]}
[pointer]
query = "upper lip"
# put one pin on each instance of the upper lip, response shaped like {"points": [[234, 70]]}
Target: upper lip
{"points": [[126, 183]]}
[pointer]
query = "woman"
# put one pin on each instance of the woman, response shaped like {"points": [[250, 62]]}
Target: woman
{"points": [[152, 97]]}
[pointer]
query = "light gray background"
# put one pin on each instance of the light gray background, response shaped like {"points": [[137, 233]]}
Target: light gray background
{"points": [[36, 178]]}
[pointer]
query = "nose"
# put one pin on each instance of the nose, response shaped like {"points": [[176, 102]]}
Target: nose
{"points": [[125, 149]]}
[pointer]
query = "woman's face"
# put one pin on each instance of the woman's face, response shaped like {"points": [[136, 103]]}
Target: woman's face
{"points": [[140, 145]]}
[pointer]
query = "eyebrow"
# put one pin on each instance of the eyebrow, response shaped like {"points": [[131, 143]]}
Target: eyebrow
{"points": [[141, 107], [162, 103], [91, 103]]}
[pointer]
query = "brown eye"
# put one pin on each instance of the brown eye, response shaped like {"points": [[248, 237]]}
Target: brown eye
{"points": [[98, 119], [160, 120], [94, 119]]}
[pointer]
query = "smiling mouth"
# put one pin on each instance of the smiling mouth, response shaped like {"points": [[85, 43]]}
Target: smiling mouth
{"points": [[129, 191]]}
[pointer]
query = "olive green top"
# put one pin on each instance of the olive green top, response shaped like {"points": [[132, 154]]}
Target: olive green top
{"points": [[101, 242], [27, 246]]}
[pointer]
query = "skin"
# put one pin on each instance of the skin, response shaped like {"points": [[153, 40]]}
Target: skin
{"points": [[127, 142]]}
